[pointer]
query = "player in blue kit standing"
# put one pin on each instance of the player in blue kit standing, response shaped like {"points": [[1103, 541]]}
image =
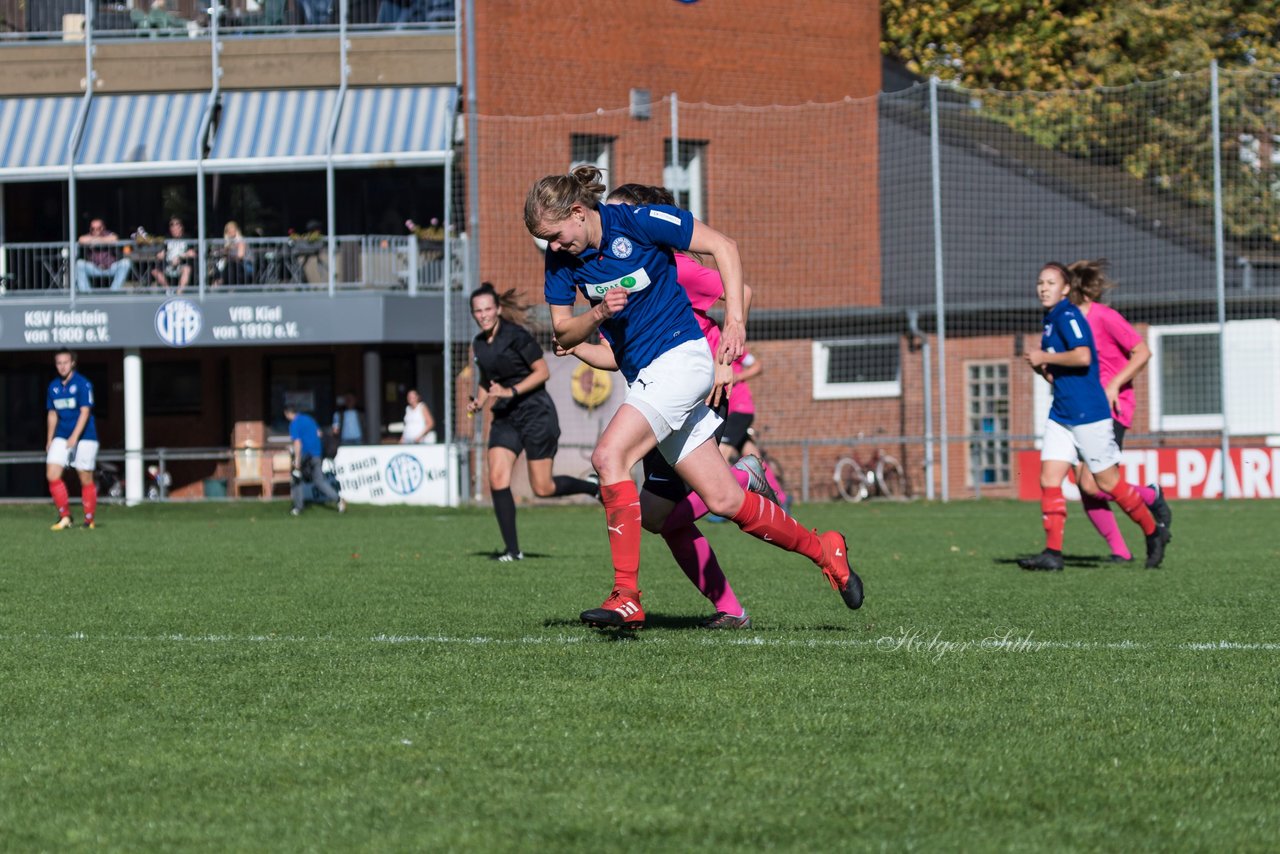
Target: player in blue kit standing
{"points": [[619, 258], [1079, 422], [304, 437], [72, 439]]}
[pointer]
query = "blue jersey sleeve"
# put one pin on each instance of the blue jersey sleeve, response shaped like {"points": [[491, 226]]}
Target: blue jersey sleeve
{"points": [[558, 287], [84, 393], [1070, 330], [664, 226], [48, 398]]}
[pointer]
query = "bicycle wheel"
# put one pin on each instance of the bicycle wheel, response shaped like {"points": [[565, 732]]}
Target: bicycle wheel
{"points": [[893, 481], [850, 479]]}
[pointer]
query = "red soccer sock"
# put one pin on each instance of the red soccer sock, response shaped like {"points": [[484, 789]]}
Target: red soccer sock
{"points": [[1131, 503], [58, 490], [764, 520], [1053, 509], [89, 496], [622, 515]]}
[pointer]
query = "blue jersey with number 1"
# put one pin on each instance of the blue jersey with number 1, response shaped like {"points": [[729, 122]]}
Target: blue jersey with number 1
{"points": [[1078, 397], [66, 400], [635, 254]]}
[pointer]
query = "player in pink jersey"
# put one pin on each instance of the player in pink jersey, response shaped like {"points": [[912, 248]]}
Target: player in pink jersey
{"points": [[1122, 355]]}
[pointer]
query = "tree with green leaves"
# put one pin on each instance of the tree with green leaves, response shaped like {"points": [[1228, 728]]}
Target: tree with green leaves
{"points": [[1064, 58]]}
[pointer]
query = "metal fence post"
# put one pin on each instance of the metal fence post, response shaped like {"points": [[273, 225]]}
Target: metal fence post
{"points": [[1221, 274], [940, 309]]}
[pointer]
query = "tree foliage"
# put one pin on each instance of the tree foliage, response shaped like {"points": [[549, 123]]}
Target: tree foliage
{"points": [[1066, 59]]}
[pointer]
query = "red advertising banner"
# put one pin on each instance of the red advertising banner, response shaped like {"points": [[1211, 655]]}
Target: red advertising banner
{"points": [[1181, 472]]}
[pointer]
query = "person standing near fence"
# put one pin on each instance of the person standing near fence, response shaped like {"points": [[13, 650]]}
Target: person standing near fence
{"points": [[513, 375], [72, 440], [1122, 355], [308, 451], [619, 258], [1079, 425]]}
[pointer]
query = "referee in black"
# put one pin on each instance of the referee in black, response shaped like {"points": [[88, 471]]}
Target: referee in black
{"points": [[514, 374]]}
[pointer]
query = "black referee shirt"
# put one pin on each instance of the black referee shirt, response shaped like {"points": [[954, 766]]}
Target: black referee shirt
{"points": [[507, 360]]}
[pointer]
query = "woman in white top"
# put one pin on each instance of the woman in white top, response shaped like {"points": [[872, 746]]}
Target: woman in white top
{"points": [[419, 426]]}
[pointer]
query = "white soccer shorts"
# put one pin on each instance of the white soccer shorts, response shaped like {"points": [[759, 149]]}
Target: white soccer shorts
{"points": [[1095, 443], [86, 457], [670, 391]]}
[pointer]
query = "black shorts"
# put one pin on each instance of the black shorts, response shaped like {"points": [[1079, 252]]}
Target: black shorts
{"points": [[536, 433], [660, 476], [735, 429], [1119, 428]]}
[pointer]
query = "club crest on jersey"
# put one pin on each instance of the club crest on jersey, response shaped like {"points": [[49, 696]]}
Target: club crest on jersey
{"points": [[636, 281], [621, 247]]}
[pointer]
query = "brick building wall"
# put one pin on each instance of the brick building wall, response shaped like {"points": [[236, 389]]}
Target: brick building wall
{"points": [[795, 186]]}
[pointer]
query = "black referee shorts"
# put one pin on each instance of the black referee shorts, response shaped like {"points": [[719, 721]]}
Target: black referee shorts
{"points": [[537, 434]]}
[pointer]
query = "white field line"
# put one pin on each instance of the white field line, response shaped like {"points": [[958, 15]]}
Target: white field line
{"points": [[909, 642]]}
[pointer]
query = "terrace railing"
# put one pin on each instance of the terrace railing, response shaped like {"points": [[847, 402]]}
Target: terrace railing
{"points": [[379, 262]]}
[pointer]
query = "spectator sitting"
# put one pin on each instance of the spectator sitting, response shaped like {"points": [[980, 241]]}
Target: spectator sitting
{"points": [[234, 267], [176, 259], [101, 260]]}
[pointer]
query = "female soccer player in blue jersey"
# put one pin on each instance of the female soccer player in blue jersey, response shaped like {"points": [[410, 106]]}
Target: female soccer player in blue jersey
{"points": [[619, 258], [1079, 422]]}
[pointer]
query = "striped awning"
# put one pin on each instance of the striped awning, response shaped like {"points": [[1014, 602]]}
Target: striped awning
{"points": [[395, 126], [34, 135], [142, 134], [272, 130]]}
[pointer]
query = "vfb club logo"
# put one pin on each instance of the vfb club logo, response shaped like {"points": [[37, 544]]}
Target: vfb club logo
{"points": [[404, 474], [178, 322]]}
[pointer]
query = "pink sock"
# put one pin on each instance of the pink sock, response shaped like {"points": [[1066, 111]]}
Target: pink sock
{"points": [[1099, 513], [694, 555], [692, 508]]}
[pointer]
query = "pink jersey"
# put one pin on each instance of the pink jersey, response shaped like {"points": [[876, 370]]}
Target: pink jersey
{"points": [[704, 287], [1114, 339], [740, 399]]}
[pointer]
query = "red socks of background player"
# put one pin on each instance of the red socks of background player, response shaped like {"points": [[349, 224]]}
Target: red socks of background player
{"points": [[88, 495], [622, 515], [58, 490], [1053, 510], [1131, 503]]}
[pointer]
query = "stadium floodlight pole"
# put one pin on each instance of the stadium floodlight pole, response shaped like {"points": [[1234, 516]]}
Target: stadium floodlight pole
{"points": [[202, 219], [473, 154], [73, 143], [1221, 275], [329, 192], [935, 165]]}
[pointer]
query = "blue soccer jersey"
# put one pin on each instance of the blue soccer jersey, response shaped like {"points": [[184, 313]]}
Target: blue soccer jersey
{"points": [[66, 400], [1078, 397], [635, 253], [305, 430]]}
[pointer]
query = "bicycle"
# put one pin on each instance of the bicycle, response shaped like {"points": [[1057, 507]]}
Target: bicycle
{"points": [[880, 475]]}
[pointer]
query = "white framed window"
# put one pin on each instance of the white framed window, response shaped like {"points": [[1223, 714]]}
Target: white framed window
{"points": [[857, 368], [987, 412], [588, 149], [1185, 377], [687, 180]]}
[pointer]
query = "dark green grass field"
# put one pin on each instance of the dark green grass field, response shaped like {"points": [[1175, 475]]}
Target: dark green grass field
{"points": [[227, 678]]}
